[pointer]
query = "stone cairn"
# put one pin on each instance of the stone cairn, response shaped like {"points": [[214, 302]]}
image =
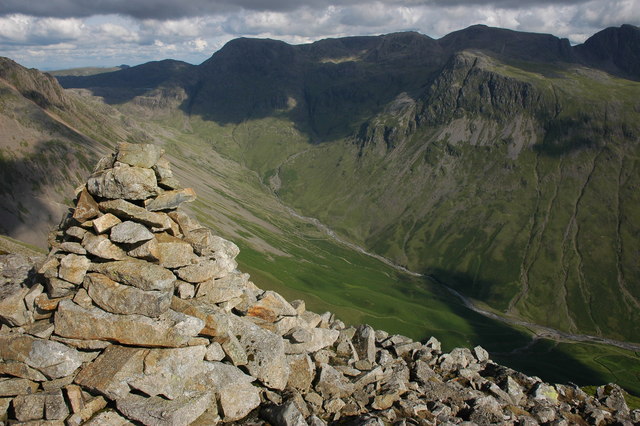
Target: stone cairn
{"points": [[139, 316]]}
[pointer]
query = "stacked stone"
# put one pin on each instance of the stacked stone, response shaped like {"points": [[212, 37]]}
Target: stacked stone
{"points": [[141, 316]]}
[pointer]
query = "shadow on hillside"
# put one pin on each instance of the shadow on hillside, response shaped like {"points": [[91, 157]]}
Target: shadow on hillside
{"points": [[35, 187], [514, 348]]}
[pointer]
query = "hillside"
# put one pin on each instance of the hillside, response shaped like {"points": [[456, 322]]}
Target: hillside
{"points": [[456, 157]]}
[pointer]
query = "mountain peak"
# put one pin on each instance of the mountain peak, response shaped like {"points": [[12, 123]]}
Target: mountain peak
{"points": [[615, 50]]}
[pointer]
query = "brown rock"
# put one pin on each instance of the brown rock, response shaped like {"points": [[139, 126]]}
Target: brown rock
{"points": [[100, 246], [128, 211], [162, 412], [57, 288], [271, 306], [170, 199], [74, 395], [139, 155], [138, 273], [22, 370], [72, 247], [216, 322], [55, 407], [174, 252], [108, 418], [86, 207], [204, 270], [130, 232], [29, 407], [73, 268], [105, 222], [123, 182], [147, 251], [90, 408], [302, 372], [13, 387], [171, 329], [12, 308], [184, 221], [125, 299], [110, 372], [76, 232]]}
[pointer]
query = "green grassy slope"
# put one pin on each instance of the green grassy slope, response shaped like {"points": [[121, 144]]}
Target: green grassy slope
{"points": [[533, 215]]}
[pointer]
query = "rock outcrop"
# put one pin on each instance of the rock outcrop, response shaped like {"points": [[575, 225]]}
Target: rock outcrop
{"points": [[139, 316]]}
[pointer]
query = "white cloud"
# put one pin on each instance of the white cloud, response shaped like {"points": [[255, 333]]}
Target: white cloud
{"points": [[117, 36]]}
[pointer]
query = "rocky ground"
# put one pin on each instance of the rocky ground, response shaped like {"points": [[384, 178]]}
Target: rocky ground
{"points": [[139, 315]]}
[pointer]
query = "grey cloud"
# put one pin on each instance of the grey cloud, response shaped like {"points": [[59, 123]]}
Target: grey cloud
{"points": [[171, 9]]}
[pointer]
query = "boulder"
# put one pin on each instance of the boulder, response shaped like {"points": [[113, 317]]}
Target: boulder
{"points": [[129, 211], [169, 372], [12, 308], [104, 223], [138, 273], [159, 411], [168, 200], [237, 395], [204, 270], [100, 246], [138, 155], [270, 307], [332, 383], [125, 299], [216, 321], [174, 252], [130, 232], [171, 329], [301, 372], [16, 386], [125, 182], [265, 353], [22, 370], [73, 268], [52, 359], [86, 207], [111, 372], [364, 341]]}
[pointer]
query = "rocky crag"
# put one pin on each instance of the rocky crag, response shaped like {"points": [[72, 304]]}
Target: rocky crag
{"points": [[138, 315]]}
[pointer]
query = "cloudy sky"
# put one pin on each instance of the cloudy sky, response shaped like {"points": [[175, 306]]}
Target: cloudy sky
{"points": [[57, 34]]}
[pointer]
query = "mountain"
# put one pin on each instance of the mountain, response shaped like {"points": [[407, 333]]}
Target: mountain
{"points": [[505, 171]]}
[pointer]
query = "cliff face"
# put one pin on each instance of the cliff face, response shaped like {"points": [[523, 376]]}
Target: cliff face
{"points": [[139, 314]]}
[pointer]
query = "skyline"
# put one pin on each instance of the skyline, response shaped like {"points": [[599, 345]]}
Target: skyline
{"points": [[60, 34]]}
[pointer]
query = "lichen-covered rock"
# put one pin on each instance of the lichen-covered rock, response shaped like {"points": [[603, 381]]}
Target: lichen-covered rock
{"points": [[138, 155], [129, 211], [125, 299], [138, 273], [265, 353], [170, 372], [126, 182], [73, 268], [171, 329], [130, 232], [86, 207], [168, 200], [162, 412], [111, 372], [100, 246]]}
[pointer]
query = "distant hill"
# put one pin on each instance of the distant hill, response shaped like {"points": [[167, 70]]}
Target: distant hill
{"points": [[85, 71]]}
